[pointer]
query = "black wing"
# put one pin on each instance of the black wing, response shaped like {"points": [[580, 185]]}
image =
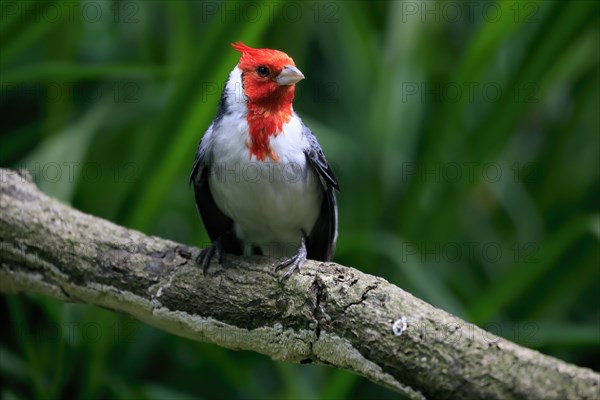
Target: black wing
{"points": [[217, 224], [320, 244]]}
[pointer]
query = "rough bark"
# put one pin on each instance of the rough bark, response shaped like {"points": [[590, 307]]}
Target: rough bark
{"points": [[327, 314]]}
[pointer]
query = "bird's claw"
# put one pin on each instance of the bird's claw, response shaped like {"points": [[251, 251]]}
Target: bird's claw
{"points": [[207, 254], [294, 262]]}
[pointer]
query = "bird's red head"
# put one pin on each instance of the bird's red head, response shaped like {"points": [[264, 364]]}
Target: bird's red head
{"points": [[267, 73], [269, 78]]}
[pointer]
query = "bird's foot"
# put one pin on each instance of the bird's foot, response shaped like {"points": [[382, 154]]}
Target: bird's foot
{"points": [[294, 262], [208, 253]]}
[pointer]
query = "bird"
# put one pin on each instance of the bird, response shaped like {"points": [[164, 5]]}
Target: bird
{"points": [[262, 184]]}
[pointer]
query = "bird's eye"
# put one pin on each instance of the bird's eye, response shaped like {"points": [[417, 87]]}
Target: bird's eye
{"points": [[262, 71]]}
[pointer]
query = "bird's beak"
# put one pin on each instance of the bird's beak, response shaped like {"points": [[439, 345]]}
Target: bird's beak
{"points": [[289, 76]]}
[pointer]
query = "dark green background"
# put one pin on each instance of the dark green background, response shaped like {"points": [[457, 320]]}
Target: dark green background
{"points": [[465, 137]]}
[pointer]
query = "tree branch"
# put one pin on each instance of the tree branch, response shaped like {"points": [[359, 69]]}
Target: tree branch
{"points": [[327, 314]]}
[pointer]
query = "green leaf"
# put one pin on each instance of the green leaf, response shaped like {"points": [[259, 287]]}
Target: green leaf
{"points": [[533, 264], [56, 164], [53, 72]]}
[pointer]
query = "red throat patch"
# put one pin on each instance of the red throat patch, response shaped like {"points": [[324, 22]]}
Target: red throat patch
{"points": [[266, 119]]}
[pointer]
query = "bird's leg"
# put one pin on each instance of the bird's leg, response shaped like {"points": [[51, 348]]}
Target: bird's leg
{"points": [[216, 248], [296, 261]]}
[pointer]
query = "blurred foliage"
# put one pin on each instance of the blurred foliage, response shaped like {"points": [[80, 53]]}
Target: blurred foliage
{"points": [[464, 135]]}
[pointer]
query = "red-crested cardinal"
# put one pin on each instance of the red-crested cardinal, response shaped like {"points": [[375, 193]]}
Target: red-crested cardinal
{"points": [[261, 180]]}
